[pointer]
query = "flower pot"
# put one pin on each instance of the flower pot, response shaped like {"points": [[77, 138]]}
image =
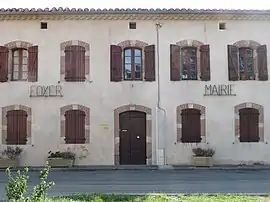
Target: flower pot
{"points": [[60, 162], [202, 161], [5, 163]]}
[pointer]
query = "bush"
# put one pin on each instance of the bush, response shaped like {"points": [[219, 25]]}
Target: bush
{"points": [[12, 153], [64, 155], [16, 187]]}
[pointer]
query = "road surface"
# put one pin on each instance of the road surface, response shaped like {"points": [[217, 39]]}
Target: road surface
{"points": [[149, 181]]}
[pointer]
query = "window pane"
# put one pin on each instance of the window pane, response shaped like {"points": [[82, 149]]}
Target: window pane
{"points": [[25, 60], [127, 71], [15, 75], [128, 52], [127, 59], [16, 53], [24, 75], [249, 60], [25, 53], [137, 75], [138, 67], [15, 67], [241, 63], [25, 68], [137, 52], [15, 60], [138, 60]]}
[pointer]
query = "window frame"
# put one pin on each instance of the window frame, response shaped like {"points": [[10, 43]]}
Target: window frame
{"points": [[132, 63], [242, 52], [20, 64], [189, 49]]}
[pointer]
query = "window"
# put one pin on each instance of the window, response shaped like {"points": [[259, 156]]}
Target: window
{"points": [[75, 63], [133, 64], [242, 63], [19, 65], [249, 125], [246, 69], [43, 25], [22, 66], [132, 25], [222, 26], [185, 62], [128, 64], [16, 127], [189, 63], [191, 125], [75, 127]]}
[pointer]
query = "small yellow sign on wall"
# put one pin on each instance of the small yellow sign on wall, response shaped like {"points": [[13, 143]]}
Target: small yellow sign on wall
{"points": [[104, 126]]}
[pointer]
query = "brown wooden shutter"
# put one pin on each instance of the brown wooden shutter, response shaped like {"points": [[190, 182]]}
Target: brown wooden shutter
{"points": [[191, 126], [116, 63], [33, 64], [262, 63], [80, 127], [205, 62], [175, 62], [16, 127], [74, 63], [70, 133], [69, 72], [232, 63], [249, 125], [3, 64], [149, 64], [79, 62]]}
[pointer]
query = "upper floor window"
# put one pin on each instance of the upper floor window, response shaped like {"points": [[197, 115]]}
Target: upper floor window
{"points": [[132, 63], [190, 62], [244, 64], [22, 64], [75, 63], [19, 65]]}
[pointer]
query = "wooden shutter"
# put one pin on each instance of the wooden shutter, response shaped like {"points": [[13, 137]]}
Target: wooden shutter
{"points": [[79, 61], [205, 62], [75, 127], [191, 126], [3, 64], [16, 127], [33, 64], [262, 63], [175, 61], [70, 133], [75, 63], [80, 127], [232, 63], [69, 71], [149, 64], [249, 125], [116, 63]]}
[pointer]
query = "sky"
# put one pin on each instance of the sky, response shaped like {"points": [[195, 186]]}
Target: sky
{"points": [[200, 4]]}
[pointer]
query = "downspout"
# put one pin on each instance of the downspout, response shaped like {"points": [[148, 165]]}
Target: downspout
{"points": [[158, 26]]}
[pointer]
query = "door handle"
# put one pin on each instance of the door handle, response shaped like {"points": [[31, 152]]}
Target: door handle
{"points": [[124, 130]]}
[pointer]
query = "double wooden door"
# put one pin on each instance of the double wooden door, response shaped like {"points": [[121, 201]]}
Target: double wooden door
{"points": [[132, 138]]}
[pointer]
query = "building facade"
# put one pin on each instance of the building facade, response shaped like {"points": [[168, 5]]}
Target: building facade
{"points": [[135, 86]]}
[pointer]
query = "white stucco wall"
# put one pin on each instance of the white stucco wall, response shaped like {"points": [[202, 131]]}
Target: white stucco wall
{"points": [[103, 96]]}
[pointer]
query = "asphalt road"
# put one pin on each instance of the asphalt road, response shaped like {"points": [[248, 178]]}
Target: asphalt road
{"points": [[149, 181]]}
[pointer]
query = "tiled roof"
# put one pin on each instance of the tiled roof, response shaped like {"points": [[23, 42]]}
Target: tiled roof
{"points": [[129, 11]]}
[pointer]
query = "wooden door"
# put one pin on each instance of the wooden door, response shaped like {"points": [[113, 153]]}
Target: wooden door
{"points": [[132, 138]]}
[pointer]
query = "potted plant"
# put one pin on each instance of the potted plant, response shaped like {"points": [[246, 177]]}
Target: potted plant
{"points": [[61, 159], [9, 157], [202, 157]]}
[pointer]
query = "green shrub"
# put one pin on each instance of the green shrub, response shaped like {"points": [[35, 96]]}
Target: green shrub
{"points": [[16, 187]]}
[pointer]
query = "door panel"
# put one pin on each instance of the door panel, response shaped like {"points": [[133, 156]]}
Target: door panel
{"points": [[132, 138]]}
